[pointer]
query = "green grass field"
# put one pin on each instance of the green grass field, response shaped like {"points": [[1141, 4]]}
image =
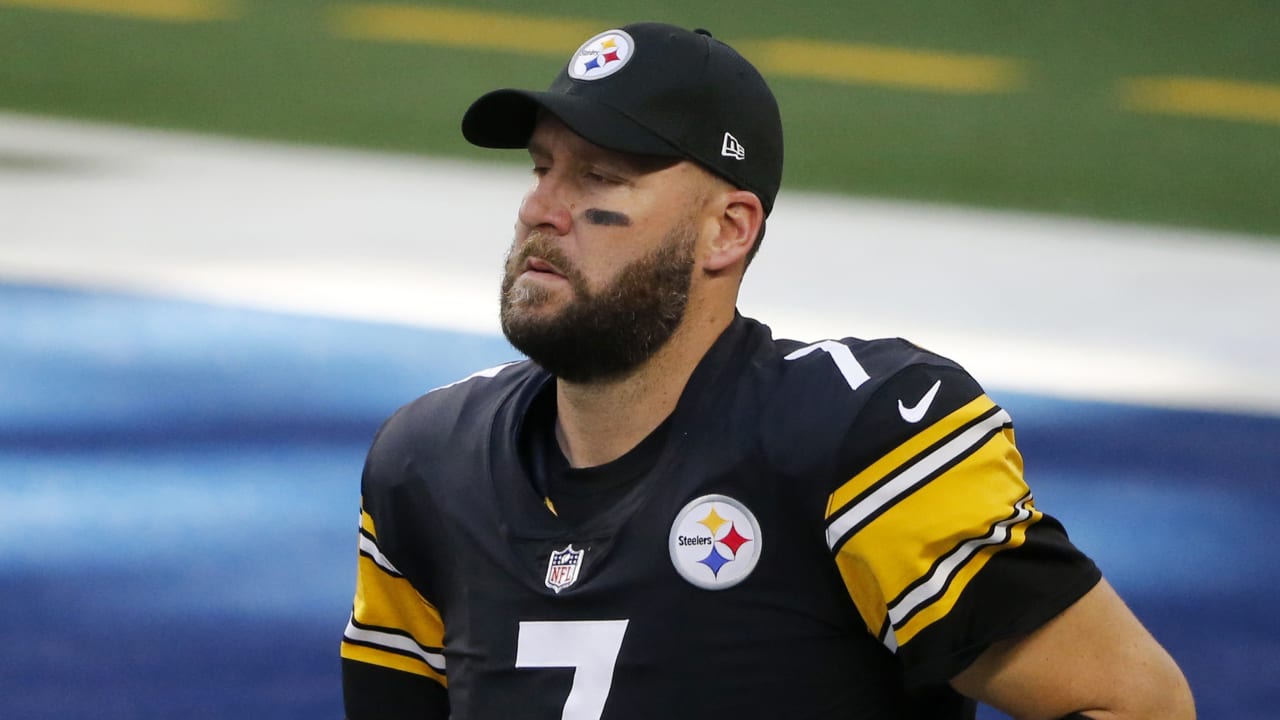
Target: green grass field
{"points": [[1063, 138]]}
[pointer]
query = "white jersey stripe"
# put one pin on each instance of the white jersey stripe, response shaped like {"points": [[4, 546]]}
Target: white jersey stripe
{"points": [[393, 642], [890, 638], [370, 548], [936, 584], [485, 373], [901, 485]]}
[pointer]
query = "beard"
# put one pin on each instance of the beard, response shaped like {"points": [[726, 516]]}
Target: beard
{"points": [[604, 334]]}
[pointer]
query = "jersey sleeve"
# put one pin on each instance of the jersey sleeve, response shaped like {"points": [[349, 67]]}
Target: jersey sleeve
{"points": [[935, 532], [392, 650]]}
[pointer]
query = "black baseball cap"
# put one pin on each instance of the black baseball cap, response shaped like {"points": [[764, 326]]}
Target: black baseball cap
{"points": [[652, 89]]}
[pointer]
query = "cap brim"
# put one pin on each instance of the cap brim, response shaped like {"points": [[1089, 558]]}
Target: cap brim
{"points": [[506, 119]]}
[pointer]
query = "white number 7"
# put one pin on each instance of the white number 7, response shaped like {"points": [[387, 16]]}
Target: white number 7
{"points": [[841, 355], [590, 647]]}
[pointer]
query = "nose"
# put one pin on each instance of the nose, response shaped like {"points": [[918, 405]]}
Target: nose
{"points": [[546, 205]]}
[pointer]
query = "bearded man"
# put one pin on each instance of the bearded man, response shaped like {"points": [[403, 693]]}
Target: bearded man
{"points": [[664, 512]]}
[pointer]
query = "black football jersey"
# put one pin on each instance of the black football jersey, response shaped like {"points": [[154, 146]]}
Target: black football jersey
{"points": [[827, 530]]}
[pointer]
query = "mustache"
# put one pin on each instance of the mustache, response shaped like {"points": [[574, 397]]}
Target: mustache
{"points": [[542, 245]]}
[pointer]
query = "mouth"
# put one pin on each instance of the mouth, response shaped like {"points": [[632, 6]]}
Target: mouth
{"points": [[538, 265]]}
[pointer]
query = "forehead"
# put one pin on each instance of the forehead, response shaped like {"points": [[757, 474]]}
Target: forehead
{"points": [[552, 137]]}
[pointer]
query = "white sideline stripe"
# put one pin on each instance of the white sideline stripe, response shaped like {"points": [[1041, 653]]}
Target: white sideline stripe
{"points": [[371, 548], [905, 481], [394, 642], [937, 582], [1055, 306]]}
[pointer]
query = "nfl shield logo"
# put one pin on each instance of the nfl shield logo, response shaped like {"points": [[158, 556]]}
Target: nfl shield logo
{"points": [[562, 569]]}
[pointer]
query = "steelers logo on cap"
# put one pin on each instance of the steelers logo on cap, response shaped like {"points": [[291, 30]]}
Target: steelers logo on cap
{"points": [[715, 542], [601, 56]]}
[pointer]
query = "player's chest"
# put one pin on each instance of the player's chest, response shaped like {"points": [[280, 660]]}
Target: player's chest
{"points": [[697, 545], [699, 583], [687, 528]]}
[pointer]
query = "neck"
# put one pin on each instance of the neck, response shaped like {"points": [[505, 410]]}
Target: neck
{"points": [[598, 422]]}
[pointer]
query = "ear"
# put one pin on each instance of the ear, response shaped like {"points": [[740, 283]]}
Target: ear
{"points": [[738, 225]]}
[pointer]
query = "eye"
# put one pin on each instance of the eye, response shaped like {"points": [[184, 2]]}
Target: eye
{"points": [[596, 176], [540, 170]]}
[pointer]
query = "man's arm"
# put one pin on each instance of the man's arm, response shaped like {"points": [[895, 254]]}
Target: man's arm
{"points": [[373, 692], [1095, 660], [393, 663]]}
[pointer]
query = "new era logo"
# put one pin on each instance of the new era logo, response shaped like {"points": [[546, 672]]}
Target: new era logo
{"points": [[732, 148]]}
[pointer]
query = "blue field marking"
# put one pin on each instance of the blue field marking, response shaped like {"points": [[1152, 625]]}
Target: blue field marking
{"points": [[1200, 485], [179, 485]]}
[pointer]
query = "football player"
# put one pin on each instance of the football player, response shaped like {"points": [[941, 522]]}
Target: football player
{"points": [[665, 512]]}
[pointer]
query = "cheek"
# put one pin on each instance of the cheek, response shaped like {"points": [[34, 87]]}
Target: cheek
{"points": [[603, 263]]}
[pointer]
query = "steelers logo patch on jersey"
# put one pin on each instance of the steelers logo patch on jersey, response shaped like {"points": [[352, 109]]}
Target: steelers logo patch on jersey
{"points": [[601, 56], [715, 542]]}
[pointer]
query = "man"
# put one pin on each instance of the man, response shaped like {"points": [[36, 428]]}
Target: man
{"points": [[666, 513]]}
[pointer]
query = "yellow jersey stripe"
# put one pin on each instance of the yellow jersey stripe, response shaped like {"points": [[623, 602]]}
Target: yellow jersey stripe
{"points": [[937, 596], [392, 651], [961, 503], [897, 457], [392, 602], [391, 623], [884, 495], [864, 589], [931, 523]]}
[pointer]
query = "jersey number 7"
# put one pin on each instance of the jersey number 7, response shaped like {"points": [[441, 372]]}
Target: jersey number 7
{"points": [[590, 647]]}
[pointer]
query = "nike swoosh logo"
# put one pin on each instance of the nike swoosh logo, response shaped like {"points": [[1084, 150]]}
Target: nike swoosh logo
{"points": [[916, 413]]}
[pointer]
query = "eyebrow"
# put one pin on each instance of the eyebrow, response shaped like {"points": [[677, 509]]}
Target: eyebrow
{"points": [[624, 163], [596, 216]]}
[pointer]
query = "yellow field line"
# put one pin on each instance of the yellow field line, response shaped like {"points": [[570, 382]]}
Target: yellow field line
{"points": [[462, 28], [163, 10], [831, 62], [1204, 97], [878, 65]]}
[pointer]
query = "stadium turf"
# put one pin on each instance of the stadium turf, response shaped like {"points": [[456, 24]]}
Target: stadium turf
{"points": [[1162, 112]]}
